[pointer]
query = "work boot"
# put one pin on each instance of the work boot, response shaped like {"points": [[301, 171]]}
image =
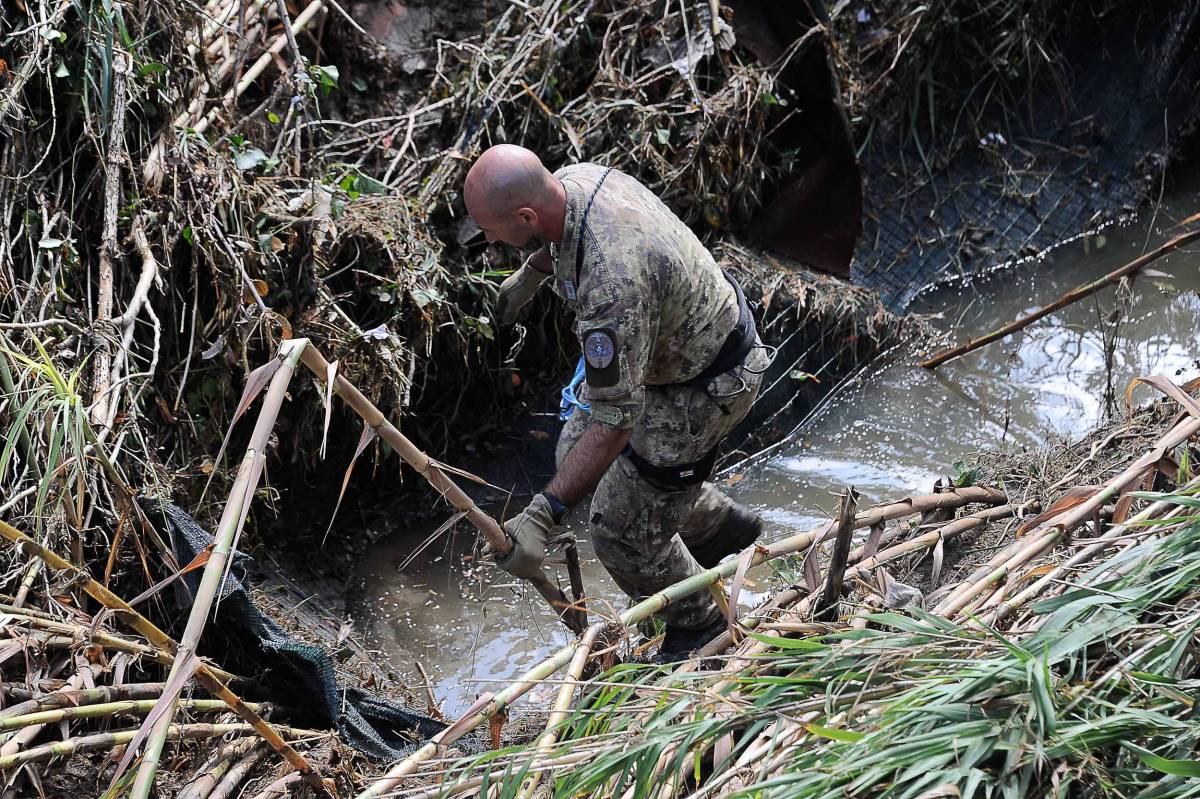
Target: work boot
{"points": [[739, 528], [679, 643]]}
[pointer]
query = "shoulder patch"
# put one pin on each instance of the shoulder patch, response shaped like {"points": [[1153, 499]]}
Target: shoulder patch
{"points": [[600, 347]]}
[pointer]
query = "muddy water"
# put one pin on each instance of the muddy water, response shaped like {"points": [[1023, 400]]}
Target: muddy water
{"points": [[893, 430]]}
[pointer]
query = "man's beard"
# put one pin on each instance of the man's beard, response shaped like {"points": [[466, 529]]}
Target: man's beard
{"points": [[532, 244]]}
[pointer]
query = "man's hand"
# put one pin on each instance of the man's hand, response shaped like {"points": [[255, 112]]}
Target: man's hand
{"points": [[519, 288], [529, 532]]}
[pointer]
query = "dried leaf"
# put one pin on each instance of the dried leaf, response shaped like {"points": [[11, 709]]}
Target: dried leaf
{"points": [[368, 435], [812, 572], [739, 579], [254, 386], [939, 551], [1075, 495], [873, 539], [260, 287], [330, 381], [495, 726], [1167, 387], [174, 686]]}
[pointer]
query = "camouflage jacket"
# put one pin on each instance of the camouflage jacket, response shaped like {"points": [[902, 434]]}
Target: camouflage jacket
{"points": [[651, 305]]}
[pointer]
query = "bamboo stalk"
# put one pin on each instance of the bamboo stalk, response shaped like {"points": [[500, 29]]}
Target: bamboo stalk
{"points": [[562, 706], [76, 633], [1152, 511], [107, 709], [214, 571], [209, 774], [16, 741], [1070, 297], [108, 740], [647, 608], [428, 468], [234, 776], [88, 696], [279, 788]]}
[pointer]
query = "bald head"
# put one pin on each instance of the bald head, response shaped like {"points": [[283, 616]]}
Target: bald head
{"points": [[513, 198]]}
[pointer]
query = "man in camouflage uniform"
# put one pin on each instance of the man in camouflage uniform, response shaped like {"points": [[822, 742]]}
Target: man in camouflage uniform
{"points": [[672, 363]]}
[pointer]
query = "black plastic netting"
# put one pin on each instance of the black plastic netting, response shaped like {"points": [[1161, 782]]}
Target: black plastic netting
{"points": [[1074, 153], [299, 674]]}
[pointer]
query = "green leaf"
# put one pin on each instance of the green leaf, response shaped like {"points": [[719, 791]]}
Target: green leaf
{"points": [[273, 118], [61, 70], [188, 235], [664, 135], [249, 158], [845, 736], [1176, 768], [153, 68], [327, 78], [369, 185], [50, 34]]}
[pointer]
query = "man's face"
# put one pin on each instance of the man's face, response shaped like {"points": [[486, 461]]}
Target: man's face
{"points": [[518, 229]]}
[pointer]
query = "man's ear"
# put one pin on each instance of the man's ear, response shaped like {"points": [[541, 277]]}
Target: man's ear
{"points": [[528, 216]]}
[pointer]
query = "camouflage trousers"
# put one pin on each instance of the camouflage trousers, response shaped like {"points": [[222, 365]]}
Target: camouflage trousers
{"points": [[641, 532]]}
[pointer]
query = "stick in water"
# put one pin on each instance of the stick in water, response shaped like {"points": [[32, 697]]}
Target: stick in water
{"points": [[1074, 295]]}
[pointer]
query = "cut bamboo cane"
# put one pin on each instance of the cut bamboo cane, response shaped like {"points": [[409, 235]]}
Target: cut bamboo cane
{"points": [[492, 532], [233, 778], [107, 709], [279, 788], [108, 740], [1070, 297], [562, 706], [647, 608], [121, 610], [214, 570], [17, 741], [88, 696], [78, 633], [209, 774]]}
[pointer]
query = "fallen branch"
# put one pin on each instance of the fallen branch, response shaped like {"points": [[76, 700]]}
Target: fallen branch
{"points": [[429, 469], [826, 607], [1070, 297]]}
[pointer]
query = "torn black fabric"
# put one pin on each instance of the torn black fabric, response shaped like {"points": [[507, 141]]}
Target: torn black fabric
{"points": [[298, 674]]}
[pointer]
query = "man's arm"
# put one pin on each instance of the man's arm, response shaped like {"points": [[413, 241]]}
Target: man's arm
{"points": [[586, 463], [542, 261]]}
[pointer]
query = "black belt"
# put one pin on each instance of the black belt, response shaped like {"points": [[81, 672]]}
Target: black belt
{"points": [[673, 478]]}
